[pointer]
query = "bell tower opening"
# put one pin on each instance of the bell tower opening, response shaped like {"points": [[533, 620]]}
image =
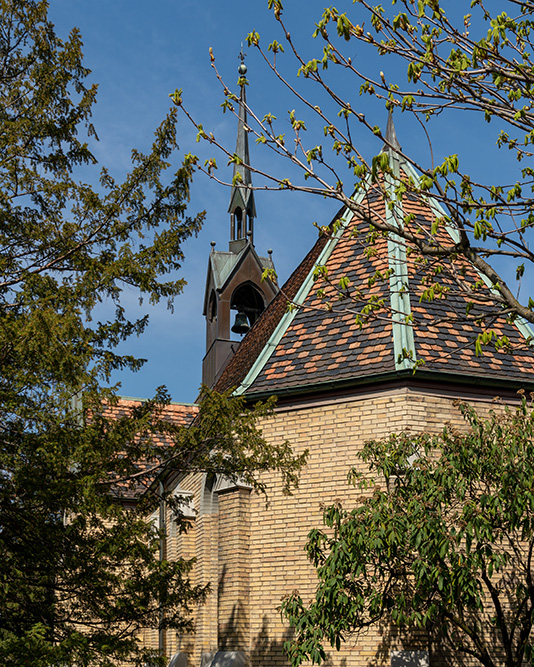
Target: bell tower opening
{"points": [[238, 215], [248, 299], [212, 310]]}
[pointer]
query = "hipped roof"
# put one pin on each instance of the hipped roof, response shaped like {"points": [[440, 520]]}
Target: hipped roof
{"points": [[314, 344]]}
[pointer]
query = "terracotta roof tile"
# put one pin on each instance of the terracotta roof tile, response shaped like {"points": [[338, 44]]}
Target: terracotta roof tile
{"points": [[176, 413], [323, 344]]}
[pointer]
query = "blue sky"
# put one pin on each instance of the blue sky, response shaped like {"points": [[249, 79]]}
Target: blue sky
{"points": [[139, 52]]}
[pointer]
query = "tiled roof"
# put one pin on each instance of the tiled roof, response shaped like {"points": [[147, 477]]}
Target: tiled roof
{"points": [[256, 339], [180, 414], [175, 413], [324, 340]]}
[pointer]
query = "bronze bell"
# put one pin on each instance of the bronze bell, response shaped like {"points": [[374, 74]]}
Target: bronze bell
{"points": [[241, 325]]}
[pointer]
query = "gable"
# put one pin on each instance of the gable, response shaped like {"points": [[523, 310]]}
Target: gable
{"points": [[224, 266]]}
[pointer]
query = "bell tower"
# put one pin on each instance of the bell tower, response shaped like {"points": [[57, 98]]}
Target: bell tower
{"points": [[235, 294]]}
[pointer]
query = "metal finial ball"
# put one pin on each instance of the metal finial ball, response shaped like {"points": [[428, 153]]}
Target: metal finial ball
{"points": [[242, 69]]}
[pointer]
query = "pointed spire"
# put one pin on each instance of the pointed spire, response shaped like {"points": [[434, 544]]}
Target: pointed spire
{"points": [[242, 207], [391, 135]]}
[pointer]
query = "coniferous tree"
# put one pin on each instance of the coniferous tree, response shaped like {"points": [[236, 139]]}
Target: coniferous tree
{"points": [[80, 573]]}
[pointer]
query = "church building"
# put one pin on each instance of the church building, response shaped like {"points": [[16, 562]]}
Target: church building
{"points": [[364, 351]]}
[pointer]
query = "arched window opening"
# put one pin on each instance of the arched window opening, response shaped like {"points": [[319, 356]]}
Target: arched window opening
{"points": [[239, 223], [208, 497], [212, 308], [249, 300]]}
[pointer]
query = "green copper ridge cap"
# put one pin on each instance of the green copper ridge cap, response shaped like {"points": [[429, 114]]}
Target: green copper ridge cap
{"points": [[399, 292]]}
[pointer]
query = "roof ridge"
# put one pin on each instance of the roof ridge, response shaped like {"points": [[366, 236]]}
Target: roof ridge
{"points": [[399, 291]]}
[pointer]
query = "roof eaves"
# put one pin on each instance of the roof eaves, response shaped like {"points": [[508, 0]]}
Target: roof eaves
{"points": [[401, 375]]}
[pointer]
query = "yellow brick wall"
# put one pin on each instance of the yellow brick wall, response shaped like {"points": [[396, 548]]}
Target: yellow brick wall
{"points": [[233, 585], [333, 433], [253, 554]]}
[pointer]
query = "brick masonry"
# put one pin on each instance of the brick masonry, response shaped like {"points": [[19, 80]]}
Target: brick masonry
{"points": [[252, 552]]}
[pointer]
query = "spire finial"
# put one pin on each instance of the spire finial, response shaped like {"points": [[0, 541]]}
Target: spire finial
{"points": [[242, 69]]}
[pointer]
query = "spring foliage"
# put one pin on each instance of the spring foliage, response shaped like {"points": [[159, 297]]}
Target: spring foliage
{"points": [[432, 61], [441, 542], [79, 573]]}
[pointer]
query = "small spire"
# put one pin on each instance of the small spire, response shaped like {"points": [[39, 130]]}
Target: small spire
{"points": [[391, 135], [242, 206]]}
